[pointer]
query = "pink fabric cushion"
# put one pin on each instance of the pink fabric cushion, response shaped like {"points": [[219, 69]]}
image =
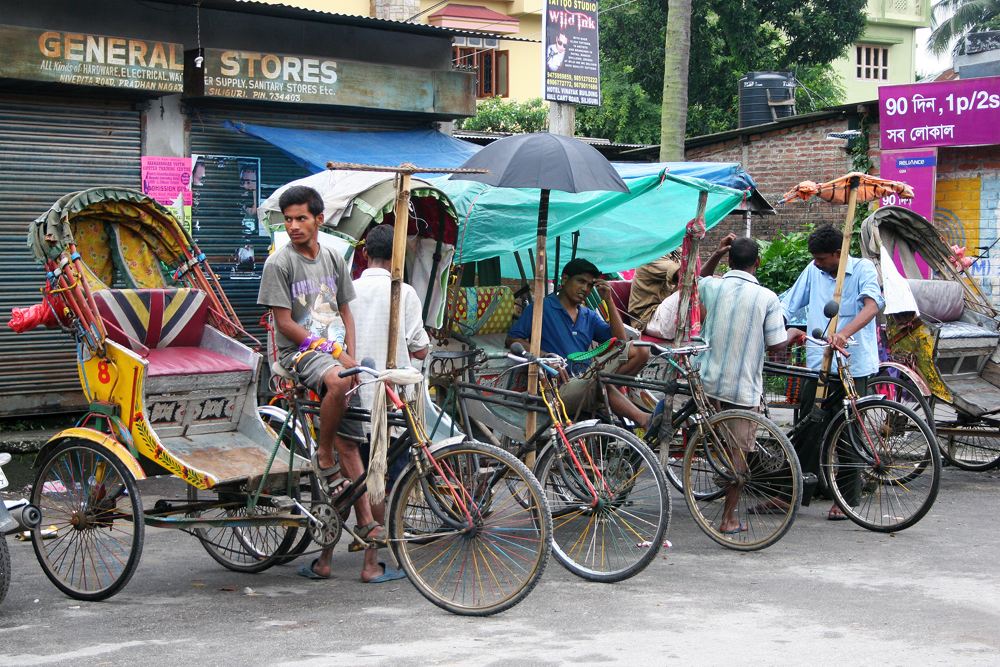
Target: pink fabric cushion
{"points": [[654, 339], [190, 361]]}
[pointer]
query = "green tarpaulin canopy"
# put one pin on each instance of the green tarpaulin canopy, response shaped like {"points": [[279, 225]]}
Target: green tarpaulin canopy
{"points": [[617, 231]]}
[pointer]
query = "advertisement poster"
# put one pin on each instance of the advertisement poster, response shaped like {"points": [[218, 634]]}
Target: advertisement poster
{"points": [[168, 181], [944, 113], [918, 169], [571, 72]]}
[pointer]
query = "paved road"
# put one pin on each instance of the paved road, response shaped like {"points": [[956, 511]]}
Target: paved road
{"points": [[829, 593]]}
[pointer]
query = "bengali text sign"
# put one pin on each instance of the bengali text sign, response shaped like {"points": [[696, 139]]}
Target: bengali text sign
{"points": [[944, 113]]}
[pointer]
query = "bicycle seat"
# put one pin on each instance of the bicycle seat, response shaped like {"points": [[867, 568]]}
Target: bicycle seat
{"points": [[283, 372]]}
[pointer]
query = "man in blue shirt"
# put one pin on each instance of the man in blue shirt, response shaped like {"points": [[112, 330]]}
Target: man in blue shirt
{"points": [[568, 326], [861, 299]]}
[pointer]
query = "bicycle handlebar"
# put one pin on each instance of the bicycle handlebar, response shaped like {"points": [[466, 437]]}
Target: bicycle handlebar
{"points": [[367, 365], [695, 348]]}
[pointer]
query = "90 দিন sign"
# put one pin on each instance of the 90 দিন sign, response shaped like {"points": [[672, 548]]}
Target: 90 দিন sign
{"points": [[271, 77], [945, 113], [91, 60]]}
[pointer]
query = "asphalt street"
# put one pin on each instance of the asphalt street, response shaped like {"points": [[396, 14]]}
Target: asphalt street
{"points": [[828, 593]]}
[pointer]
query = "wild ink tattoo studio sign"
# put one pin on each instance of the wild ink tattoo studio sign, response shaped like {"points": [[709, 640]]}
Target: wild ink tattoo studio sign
{"points": [[91, 60], [946, 113], [571, 72]]}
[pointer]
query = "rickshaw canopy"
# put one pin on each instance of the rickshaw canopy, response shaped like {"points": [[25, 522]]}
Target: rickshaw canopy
{"points": [[616, 230]]}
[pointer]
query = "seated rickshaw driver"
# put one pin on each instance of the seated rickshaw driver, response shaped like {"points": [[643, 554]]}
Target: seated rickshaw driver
{"points": [[568, 326], [293, 278]]}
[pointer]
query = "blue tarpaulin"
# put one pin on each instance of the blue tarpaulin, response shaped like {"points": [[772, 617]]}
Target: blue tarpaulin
{"points": [[729, 174], [312, 149]]}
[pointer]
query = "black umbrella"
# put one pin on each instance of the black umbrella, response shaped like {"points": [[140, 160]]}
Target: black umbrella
{"points": [[547, 162]]}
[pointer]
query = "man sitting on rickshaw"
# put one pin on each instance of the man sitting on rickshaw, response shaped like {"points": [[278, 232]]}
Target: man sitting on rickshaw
{"points": [[568, 326], [294, 276]]}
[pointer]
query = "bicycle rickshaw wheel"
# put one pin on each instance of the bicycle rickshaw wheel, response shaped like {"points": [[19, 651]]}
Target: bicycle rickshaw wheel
{"points": [[244, 548], [89, 497], [274, 418], [889, 456], [4, 568], [965, 442], [621, 535], [763, 484], [491, 567]]}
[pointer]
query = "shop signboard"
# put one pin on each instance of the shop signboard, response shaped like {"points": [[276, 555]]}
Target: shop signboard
{"points": [[944, 113], [570, 69], [83, 59], [273, 77]]}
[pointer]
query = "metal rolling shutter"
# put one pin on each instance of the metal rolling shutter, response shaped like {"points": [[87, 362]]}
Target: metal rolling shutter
{"points": [[46, 151], [217, 209]]}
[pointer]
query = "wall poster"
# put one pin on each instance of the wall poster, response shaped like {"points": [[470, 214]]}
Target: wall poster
{"points": [[571, 71]]}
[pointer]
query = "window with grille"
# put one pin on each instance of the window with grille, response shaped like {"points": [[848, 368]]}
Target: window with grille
{"points": [[871, 63], [490, 66]]}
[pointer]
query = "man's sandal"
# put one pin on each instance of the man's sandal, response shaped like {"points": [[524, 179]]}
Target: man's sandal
{"points": [[332, 488], [363, 532]]}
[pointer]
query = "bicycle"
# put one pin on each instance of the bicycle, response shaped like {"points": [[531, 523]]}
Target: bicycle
{"points": [[731, 465], [604, 486], [467, 521], [879, 459]]}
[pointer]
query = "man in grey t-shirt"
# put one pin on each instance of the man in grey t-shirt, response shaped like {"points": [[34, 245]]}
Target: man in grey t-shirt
{"points": [[308, 289]]}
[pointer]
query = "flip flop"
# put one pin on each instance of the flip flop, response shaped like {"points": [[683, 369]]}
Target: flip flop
{"points": [[733, 531], [363, 532], [655, 419], [307, 571], [389, 575], [836, 514]]}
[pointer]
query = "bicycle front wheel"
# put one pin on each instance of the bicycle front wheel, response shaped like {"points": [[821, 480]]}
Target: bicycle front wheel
{"points": [[742, 480], [473, 533], [883, 465], [609, 501]]}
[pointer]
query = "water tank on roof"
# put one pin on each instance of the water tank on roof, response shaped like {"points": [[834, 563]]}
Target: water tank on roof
{"points": [[766, 97]]}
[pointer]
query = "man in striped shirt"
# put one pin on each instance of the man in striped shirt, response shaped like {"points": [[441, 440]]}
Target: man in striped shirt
{"points": [[741, 320]]}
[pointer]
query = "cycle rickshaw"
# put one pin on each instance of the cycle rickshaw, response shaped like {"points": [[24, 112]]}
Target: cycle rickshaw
{"points": [[171, 389]]}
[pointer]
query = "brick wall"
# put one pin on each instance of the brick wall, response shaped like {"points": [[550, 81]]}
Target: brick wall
{"points": [[779, 160], [967, 207]]}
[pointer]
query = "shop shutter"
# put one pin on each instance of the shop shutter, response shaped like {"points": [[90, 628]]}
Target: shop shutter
{"points": [[49, 149], [217, 211]]}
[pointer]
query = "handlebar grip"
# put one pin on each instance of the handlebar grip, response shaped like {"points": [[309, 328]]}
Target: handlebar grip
{"points": [[346, 373]]}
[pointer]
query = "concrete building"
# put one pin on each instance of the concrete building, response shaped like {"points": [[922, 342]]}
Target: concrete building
{"points": [[886, 52]]}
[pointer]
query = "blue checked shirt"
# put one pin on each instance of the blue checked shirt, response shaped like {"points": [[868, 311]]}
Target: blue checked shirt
{"points": [[815, 287], [741, 319]]}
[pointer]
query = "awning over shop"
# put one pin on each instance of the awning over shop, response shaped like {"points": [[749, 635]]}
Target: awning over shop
{"points": [[312, 149]]}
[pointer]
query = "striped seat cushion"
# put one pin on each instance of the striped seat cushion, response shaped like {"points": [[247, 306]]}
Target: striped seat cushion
{"points": [[156, 318]]}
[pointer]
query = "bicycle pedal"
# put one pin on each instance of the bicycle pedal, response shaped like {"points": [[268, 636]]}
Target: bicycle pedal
{"points": [[282, 502]]}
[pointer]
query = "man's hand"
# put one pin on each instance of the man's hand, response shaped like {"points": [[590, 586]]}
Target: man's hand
{"points": [[795, 336], [347, 361], [839, 342], [603, 288], [725, 244]]}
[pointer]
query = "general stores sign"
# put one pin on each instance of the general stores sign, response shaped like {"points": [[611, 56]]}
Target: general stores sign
{"points": [[273, 77], [91, 60]]}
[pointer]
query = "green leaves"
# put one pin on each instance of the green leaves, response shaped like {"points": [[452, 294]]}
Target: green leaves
{"points": [[783, 259], [494, 114]]}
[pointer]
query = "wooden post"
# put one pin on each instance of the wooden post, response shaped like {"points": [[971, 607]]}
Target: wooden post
{"points": [[398, 260], [845, 251], [531, 423], [688, 279]]}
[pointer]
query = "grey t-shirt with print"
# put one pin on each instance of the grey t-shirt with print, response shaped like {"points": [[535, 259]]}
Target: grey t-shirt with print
{"points": [[313, 289]]}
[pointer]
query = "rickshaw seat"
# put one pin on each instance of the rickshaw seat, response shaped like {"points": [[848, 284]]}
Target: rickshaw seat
{"points": [[170, 323], [621, 291]]}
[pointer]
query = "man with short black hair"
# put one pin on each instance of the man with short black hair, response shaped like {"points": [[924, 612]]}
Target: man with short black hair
{"points": [[740, 320], [861, 299], [568, 326], [294, 278]]}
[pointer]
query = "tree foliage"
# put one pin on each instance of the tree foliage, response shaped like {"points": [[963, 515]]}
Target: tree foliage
{"points": [[960, 17], [495, 114], [729, 38], [783, 259]]}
